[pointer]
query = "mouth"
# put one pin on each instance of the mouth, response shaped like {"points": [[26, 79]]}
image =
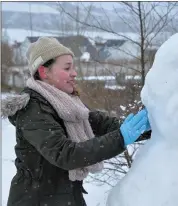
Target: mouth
{"points": [[72, 82]]}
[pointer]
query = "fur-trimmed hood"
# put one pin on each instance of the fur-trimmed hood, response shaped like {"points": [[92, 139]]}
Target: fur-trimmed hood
{"points": [[11, 104]]}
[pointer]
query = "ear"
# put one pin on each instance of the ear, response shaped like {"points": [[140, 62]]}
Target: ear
{"points": [[42, 72]]}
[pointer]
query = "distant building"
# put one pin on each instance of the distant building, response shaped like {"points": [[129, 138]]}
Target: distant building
{"points": [[121, 49], [110, 51]]}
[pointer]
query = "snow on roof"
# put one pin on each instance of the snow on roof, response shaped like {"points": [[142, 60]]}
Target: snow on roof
{"points": [[104, 36], [108, 35]]}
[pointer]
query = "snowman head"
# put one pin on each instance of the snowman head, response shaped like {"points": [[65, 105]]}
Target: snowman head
{"points": [[160, 92]]}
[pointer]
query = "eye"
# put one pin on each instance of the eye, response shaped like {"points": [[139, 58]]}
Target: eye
{"points": [[67, 69]]}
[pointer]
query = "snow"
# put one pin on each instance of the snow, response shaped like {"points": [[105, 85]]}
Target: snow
{"points": [[8, 155], [123, 108], [153, 179], [25, 7], [136, 77], [101, 78], [96, 196], [114, 87], [20, 34], [85, 57]]}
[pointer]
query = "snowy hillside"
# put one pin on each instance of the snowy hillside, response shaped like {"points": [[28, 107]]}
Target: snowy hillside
{"points": [[20, 34], [20, 15]]}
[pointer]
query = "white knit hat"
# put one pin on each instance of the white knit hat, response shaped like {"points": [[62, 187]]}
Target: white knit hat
{"points": [[44, 49]]}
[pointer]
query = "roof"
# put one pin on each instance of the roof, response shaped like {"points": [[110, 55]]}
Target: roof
{"points": [[32, 39], [103, 52], [114, 42], [99, 43], [16, 44]]}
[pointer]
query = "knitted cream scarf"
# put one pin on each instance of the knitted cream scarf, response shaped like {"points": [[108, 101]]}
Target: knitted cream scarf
{"points": [[75, 116]]}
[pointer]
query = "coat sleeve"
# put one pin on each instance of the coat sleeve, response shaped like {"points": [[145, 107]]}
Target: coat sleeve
{"points": [[102, 124], [42, 131]]}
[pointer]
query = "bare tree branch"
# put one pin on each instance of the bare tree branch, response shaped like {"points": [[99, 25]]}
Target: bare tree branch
{"points": [[99, 27]]}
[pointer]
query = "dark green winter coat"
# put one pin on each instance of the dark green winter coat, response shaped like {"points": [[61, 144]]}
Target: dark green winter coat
{"points": [[45, 154]]}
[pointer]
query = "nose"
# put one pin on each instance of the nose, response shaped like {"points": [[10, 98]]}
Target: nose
{"points": [[73, 73]]}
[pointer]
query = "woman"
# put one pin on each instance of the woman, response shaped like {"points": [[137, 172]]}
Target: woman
{"points": [[59, 141]]}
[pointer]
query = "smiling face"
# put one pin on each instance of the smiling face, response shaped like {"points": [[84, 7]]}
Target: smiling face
{"points": [[61, 74]]}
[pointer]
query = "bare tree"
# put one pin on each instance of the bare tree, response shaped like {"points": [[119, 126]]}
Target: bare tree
{"points": [[30, 19]]}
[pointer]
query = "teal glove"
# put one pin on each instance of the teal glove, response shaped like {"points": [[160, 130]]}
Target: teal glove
{"points": [[134, 125]]}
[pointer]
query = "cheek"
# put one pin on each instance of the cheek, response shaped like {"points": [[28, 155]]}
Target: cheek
{"points": [[61, 76]]}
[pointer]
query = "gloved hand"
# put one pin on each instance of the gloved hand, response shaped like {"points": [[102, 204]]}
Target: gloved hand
{"points": [[134, 125]]}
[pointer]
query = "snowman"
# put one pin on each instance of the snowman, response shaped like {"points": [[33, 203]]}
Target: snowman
{"points": [[153, 177]]}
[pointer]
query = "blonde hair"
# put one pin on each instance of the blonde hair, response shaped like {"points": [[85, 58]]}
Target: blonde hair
{"points": [[76, 91]]}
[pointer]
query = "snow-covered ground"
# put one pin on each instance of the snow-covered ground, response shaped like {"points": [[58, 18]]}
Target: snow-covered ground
{"points": [[96, 196], [8, 155]]}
